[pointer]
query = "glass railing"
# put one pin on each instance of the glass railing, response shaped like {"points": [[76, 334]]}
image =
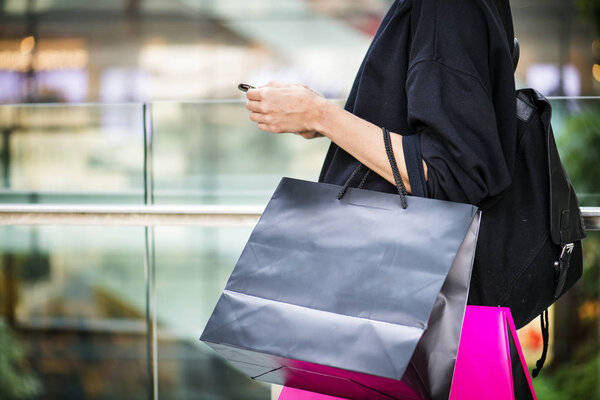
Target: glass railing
{"points": [[120, 224], [72, 154]]}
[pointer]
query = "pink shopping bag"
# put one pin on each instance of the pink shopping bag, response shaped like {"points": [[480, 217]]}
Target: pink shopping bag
{"points": [[289, 393], [489, 365]]}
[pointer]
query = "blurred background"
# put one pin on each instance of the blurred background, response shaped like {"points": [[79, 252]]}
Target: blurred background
{"points": [[147, 50], [135, 102]]}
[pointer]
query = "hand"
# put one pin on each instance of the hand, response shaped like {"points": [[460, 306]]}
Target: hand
{"points": [[310, 134], [282, 107]]}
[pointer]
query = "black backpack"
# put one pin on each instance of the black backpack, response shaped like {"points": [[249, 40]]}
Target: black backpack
{"points": [[529, 247]]}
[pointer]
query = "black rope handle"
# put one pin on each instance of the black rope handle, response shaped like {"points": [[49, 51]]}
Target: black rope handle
{"points": [[540, 363], [364, 179], [397, 178], [351, 178]]}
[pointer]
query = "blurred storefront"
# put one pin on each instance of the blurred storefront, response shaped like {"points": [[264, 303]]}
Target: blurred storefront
{"points": [[134, 50], [155, 50]]}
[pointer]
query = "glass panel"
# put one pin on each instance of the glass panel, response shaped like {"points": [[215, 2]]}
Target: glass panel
{"points": [[192, 267], [72, 298], [212, 153], [72, 313], [576, 124], [72, 154]]}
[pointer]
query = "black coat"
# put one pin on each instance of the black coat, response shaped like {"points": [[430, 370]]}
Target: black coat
{"points": [[440, 73]]}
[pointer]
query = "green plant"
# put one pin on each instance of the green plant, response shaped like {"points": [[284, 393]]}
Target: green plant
{"points": [[580, 147], [15, 381], [572, 381], [591, 10]]}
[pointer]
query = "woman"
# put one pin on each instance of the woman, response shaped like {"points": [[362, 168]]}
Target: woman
{"points": [[439, 75]]}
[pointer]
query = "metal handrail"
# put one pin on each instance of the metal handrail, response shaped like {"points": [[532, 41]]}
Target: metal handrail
{"points": [[160, 215], [591, 218], [129, 215]]}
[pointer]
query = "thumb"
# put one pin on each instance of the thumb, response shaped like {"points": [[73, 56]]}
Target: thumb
{"points": [[276, 84]]}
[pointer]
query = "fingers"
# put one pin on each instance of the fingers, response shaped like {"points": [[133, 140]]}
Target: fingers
{"points": [[253, 94], [258, 117], [262, 111], [264, 121], [269, 128], [263, 127], [256, 94], [254, 106]]}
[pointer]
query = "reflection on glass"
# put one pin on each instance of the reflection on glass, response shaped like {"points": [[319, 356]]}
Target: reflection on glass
{"points": [[192, 267], [577, 127], [74, 154], [211, 153], [72, 303]]}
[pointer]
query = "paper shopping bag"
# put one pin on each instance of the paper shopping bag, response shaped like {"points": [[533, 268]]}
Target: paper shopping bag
{"points": [[354, 297]]}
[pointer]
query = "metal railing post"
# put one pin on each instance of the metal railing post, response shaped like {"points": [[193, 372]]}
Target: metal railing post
{"points": [[150, 267]]}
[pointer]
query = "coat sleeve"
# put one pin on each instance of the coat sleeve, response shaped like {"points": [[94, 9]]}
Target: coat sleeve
{"points": [[460, 142], [461, 100]]}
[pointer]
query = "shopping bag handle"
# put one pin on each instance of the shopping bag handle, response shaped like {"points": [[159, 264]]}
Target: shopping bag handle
{"points": [[356, 171], [397, 178]]}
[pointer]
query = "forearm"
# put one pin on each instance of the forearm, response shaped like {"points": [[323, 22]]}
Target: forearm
{"points": [[362, 139], [279, 107]]}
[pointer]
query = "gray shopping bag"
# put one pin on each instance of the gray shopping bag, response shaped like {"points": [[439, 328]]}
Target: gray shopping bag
{"points": [[354, 297]]}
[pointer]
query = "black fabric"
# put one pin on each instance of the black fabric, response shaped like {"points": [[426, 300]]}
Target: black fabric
{"points": [[414, 165], [443, 71], [529, 249], [515, 258], [506, 19]]}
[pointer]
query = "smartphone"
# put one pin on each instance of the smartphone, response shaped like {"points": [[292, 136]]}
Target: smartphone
{"points": [[244, 87]]}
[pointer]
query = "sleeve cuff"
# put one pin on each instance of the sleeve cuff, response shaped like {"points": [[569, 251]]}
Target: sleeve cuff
{"points": [[411, 144]]}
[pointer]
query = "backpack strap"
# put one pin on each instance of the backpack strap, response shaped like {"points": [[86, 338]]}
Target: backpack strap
{"points": [[513, 43], [540, 363]]}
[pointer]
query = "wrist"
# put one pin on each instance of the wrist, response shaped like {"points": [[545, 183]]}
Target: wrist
{"points": [[324, 110]]}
